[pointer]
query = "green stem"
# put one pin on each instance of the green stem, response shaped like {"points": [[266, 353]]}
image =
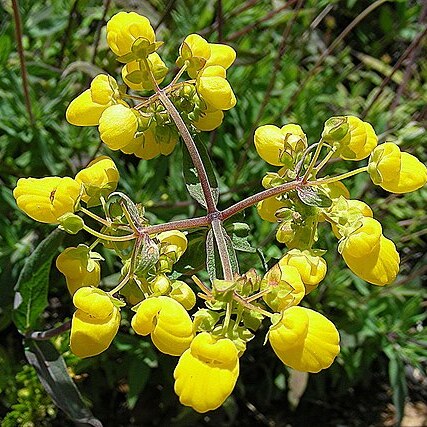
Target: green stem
{"points": [[95, 216], [107, 237], [179, 74], [228, 312], [250, 306], [120, 285], [324, 161], [313, 161], [217, 230], [338, 177]]}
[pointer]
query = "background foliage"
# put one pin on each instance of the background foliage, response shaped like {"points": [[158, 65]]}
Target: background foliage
{"points": [[294, 64]]}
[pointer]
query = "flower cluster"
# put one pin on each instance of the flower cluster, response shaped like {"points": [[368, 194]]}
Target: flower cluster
{"points": [[209, 343], [366, 251], [145, 129]]}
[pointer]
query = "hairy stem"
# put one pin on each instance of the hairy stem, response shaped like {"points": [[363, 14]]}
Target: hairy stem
{"points": [[222, 249]]}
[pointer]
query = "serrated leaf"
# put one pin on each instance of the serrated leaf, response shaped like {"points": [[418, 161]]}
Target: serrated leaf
{"points": [[312, 196], [191, 178], [52, 372], [33, 282]]}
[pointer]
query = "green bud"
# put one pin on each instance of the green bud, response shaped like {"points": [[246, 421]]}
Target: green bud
{"points": [[71, 223], [335, 129], [205, 320]]}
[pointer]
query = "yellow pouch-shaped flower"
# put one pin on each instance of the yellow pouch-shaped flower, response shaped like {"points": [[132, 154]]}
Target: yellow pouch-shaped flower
{"points": [[379, 267], [168, 323], [194, 50], [138, 79], [209, 120], [359, 140], [145, 146], [47, 199], [99, 178], [267, 208], [172, 241], [206, 373], [104, 90], [215, 90], [312, 268], [304, 340], [94, 324], [363, 240], [221, 54], [78, 268], [396, 171], [285, 285], [83, 111], [182, 293], [124, 28], [269, 143], [117, 126]]}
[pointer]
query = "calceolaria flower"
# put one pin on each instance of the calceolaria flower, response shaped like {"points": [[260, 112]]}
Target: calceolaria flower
{"points": [[207, 372], [124, 30], [47, 199], [80, 267], [94, 324], [304, 340], [168, 323], [396, 171], [99, 178], [353, 138]]}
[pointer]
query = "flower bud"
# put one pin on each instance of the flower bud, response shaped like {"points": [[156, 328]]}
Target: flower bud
{"points": [[285, 287], [123, 29], [47, 199], [161, 285], [79, 269], [207, 372], [396, 171], [304, 340], [99, 179], [71, 223], [117, 126], [168, 323], [173, 243]]}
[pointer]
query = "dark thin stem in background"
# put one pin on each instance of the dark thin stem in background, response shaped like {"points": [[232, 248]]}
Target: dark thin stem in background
{"points": [[67, 32], [219, 20], [167, 11], [101, 23], [24, 75], [316, 68], [50, 333], [267, 95], [387, 79]]}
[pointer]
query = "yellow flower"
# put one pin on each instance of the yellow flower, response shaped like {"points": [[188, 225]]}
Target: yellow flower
{"points": [[47, 199], [215, 90], [138, 79], [396, 171], [304, 340], [312, 268], [207, 372], [285, 285], [94, 324], [123, 29], [194, 50], [87, 108], [117, 126], [104, 90], [363, 238], [221, 54], [279, 147], [359, 140], [379, 267], [99, 178], [267, 208], [168, 323], [79, 269], [182, 293], [172, 243], [209, 120], [145, 146]]}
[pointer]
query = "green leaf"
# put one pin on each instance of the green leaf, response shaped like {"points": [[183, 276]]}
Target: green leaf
{"points": [[239, 236], [33, 282], [52, 372], [211, 255], [191, 178], [194, 258], [311, 196]]}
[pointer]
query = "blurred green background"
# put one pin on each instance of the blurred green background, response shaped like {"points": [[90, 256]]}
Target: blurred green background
{"points": [[297, 62]]}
